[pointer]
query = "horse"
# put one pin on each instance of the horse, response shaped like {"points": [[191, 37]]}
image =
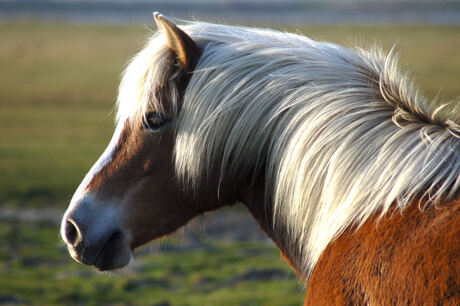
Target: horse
{"points": [[349, 170]]}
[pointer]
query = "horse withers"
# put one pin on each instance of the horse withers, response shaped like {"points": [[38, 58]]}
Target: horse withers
{"points": [[352, 173]]}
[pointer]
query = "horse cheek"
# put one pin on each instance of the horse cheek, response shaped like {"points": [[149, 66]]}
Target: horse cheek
{"points": [[154, 207]]}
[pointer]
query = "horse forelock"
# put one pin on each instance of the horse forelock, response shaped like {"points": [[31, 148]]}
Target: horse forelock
{"points": [[339, 134], [146, 83]]}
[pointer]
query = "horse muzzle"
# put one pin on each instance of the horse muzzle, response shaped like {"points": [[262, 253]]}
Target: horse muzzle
{"points": [[96, 241]]}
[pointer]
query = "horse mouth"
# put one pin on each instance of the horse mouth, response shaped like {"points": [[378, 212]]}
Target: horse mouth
{"points": [[114, 254]]}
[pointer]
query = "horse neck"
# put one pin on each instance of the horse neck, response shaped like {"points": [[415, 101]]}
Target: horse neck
{"points": [[254, 199]]}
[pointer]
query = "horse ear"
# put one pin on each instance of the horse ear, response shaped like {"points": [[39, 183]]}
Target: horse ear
{"points": [[185, 49]]}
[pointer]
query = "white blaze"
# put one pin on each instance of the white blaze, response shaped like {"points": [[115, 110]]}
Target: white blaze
{"points": [[90, 208]]}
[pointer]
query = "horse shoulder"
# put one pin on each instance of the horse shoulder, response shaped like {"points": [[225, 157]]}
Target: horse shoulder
{"points": [[411, 257]]}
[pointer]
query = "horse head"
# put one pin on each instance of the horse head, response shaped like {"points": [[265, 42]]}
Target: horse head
{"points": [[131, 195]]}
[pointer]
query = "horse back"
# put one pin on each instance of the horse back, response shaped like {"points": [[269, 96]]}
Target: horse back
{"points": [[409, 257]]}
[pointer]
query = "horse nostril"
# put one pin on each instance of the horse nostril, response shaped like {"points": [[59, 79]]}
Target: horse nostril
{"points": [[71, 233]]}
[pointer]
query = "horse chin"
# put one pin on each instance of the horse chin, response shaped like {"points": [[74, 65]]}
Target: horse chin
{"points": [[114, 255], [108, 262]]}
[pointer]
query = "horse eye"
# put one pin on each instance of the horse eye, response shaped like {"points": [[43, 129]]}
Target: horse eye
{"points": [[154, 121]]}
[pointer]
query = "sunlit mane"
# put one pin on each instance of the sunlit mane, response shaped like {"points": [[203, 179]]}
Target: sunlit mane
{"points": [[339, 134]]}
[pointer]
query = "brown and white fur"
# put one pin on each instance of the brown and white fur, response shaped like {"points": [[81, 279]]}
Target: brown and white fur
{"points": [[351, 172]]}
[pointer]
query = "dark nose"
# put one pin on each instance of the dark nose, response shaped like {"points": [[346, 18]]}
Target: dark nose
{"points": [[72, 232]]}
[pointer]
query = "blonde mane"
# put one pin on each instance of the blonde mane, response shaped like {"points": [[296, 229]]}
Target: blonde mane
{"points": [[339, 134]]}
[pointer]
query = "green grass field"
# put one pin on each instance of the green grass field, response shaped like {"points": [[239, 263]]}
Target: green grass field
{"points": [[58, 84], [39, 271]]}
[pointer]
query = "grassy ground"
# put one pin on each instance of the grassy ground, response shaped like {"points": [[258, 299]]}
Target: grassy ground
{"points": [[57, 88], [38, 271]]}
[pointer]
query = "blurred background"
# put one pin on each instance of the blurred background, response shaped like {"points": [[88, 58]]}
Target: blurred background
{"points": [[60, 65]]}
